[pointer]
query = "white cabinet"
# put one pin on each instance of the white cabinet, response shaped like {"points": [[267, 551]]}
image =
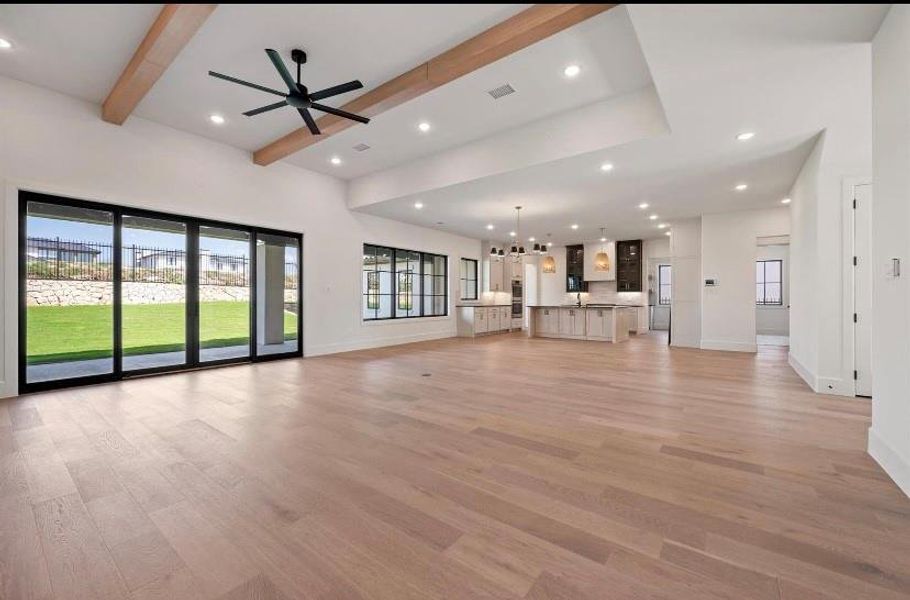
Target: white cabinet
{"points": [[505, 317], [572, 322], [546, 322], [494, 276], [600, 323], [481, 321], [516, 271]]}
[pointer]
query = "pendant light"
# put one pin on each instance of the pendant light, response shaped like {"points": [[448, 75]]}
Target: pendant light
{"points": [[548, 264], [602, 259]]}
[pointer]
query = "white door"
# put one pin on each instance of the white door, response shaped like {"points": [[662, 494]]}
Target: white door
{"points": [[862, 288]]}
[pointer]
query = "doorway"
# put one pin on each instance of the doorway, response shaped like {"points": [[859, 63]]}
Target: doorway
{"points": [[107, 292], [772, 291]]}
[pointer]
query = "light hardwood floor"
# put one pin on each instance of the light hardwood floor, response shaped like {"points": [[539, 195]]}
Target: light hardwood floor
{"points": [[500, 467]]}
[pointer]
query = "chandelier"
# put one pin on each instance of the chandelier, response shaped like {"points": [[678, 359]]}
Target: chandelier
{"points": [[515, 249]]}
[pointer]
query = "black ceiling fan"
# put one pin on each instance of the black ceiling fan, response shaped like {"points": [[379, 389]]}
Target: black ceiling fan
{"points": [[298, 96]]}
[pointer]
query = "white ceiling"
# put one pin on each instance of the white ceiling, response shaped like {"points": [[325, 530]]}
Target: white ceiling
{"points": [[785, 72]]}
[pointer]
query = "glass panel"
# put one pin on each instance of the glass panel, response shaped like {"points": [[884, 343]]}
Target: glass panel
{"points": [[407, 270], [69, 292], [772, 271], [760, 293], [277, 298], [772, 293], [153, 292], [224, 293], [759, 272], [377, 282]]}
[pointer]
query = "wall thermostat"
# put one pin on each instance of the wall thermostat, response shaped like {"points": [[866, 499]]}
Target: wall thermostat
{"points": [[710, 282]]}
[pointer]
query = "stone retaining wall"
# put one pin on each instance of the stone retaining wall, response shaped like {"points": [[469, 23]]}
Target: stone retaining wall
{"points": [[45, 292]]}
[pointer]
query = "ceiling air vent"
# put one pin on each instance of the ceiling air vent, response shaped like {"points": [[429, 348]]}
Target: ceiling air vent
{"points": [[503, 90], [361, 147]]}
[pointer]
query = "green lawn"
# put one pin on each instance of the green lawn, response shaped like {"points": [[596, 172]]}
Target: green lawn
{"points": [[63, 333]]}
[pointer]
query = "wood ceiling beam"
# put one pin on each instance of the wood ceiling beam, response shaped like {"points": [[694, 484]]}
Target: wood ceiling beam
{"points": [[515, 33], [175, 26]]}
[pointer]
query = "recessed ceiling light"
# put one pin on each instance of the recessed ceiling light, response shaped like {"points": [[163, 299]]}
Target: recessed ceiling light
{"points": [[785, 201], [418, 205], [741, 186], [216, 119], [531, 239], [571, 71], [653, 217], [549, 243], [574, 225], [603, 239], [424, 127], [335, 161], [746, 135], [667, 233], [5, 44], [490, 226], [643, 205], [512, 234], [662, 226], [606, 167]]}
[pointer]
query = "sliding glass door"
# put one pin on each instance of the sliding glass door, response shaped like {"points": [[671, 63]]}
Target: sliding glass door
{"points": [[107, 292], [153, 292], [66, 253], [224, 293]]}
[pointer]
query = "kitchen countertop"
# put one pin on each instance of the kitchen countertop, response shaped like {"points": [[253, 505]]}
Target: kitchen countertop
{"points": [[592, 305], [479, 305]]}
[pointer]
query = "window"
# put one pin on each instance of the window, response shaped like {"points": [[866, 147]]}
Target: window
{"points": [[768, 286], [468, 279], [400, 284], [664, 285]]}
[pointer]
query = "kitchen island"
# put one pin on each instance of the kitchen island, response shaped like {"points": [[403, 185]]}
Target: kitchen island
{"points": [[595, 322]]}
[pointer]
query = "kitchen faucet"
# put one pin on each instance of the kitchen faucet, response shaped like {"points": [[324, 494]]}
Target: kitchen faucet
{"points": [[578, 299]]}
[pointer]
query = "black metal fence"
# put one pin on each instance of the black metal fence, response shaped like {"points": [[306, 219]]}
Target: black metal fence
{"points": [[76, 260]]}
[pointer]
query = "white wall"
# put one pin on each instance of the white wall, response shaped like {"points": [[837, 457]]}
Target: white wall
{"points": [[55, 144], [889, 437], [769, 319], [685, 305], [728, 252], [803, 260]]}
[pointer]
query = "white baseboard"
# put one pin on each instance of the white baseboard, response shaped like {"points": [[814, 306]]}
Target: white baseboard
{"points": [[835, 386], [728, 346], [896, 466], [808, 376], [375, 343]]}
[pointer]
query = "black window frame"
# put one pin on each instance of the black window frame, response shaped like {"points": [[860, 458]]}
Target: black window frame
{"points": [[467, 280], [194, 360], [764, 282], [419, 299], [661, 284]]}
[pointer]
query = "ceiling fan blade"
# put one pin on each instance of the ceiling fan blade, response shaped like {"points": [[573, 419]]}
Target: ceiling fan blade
{"points": [[282, 70], [262, 109], [339, 113], [336, 89], [255, 86], [308, 119]]}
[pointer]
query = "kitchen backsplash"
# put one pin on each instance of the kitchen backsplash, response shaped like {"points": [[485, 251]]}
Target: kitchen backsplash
{"points": [[604, 292]]}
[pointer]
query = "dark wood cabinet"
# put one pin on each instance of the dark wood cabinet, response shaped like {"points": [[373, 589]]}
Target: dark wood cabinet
{"points": [[575, 269], [628, 266]]}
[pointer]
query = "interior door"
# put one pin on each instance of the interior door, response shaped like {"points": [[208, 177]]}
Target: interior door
{"points": [[862, 288]]}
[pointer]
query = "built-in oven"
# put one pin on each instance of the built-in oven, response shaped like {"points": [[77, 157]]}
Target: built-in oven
{"points": [[517, 308]]}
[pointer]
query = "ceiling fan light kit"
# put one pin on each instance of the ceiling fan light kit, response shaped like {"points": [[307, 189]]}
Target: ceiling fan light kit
{"points": [[298, 95]]}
